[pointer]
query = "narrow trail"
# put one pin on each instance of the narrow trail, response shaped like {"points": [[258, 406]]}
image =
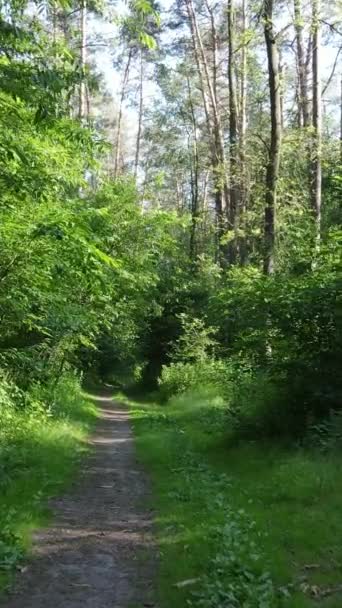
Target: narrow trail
{"points": [[98, 552]]}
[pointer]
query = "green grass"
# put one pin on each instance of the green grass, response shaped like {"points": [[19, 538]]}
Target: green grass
{"points": [[256, 525], [38, 458]]}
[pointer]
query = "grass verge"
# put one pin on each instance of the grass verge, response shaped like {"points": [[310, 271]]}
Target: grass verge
{"points": [[39, 453], [239, 526]]}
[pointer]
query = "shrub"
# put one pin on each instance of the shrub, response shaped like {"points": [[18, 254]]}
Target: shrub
{"points": [[258, 405], [180, 377], [289, 331], [193, 364]]}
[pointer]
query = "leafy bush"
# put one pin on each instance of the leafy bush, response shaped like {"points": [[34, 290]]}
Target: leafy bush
{"points": [[289, 331], [258, 405], [182, 377], [193, 364]]}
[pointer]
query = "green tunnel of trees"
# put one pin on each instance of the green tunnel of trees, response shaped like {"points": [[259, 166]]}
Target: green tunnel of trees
{"points": [[185, 236], [207, 252]]}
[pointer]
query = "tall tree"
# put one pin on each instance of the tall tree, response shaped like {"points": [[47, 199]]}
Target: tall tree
{"points": [[316, 190], [83, 58], [123, 92], [194, 175], [140, 114], [235, 178], [213, 118], [302, 66], [273, 164], [243, 130]]}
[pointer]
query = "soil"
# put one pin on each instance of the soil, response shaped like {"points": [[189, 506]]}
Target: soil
{"points": [[98, 553]]}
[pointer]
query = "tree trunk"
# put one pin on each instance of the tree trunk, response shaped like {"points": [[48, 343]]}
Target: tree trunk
{"points": [[83, 28], [272, 169], [205, 191], [194, 178], [242, 141], [194, 201], [118, 130], [303, 99], [243, 94], [282, 78], [234, 209], [316, 190], [140, 117]]}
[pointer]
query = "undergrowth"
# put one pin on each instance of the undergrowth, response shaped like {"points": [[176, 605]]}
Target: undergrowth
{"points": [[247, 524]]}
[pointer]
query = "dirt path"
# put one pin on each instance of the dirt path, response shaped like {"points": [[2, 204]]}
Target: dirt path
{"points": [[98, 552]]}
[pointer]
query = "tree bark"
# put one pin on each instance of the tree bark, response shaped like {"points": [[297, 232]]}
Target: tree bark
{"points": [[273, 164]]}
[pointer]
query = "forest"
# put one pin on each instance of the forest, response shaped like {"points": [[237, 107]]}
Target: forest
{"points": [[171, 226]]}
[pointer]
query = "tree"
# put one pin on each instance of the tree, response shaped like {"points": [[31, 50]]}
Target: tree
{"points": [[140, 114], [235, 179], [119, 119], [273, 164], [302, 67], [83, 55], [316, 192], [138, 31]]}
